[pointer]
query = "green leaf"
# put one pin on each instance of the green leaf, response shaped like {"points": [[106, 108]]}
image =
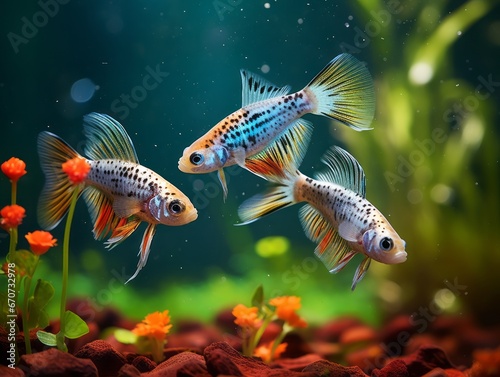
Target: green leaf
{"points": [[25, 262], [125, 336], [44, 291], [46, 338], [36, 304], [258, 297], [74, 326]]}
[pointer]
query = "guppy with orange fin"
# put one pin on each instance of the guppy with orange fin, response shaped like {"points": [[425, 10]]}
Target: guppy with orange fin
{"points": [[336, 216], [119, 192], [343, 91]]}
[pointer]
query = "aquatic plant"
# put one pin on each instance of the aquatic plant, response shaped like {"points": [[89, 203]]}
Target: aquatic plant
{"points": [[149, 336], [21, 265], [431, 158], [71, 325], [253, 322]]}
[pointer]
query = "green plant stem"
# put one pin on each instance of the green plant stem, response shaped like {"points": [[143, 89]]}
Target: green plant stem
{"points": [[26, 296], [65, 265], [285, 330], [267, 319], [13, 192]]}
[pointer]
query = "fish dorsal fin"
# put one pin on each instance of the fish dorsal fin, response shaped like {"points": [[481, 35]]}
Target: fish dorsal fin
{"points": [[331, 249], [107, 139], [255, 88], [284, 155], [344, 170]]}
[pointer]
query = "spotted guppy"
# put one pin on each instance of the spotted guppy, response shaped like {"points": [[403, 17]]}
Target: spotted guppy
{"points": [[343, 90], [119, 192]]}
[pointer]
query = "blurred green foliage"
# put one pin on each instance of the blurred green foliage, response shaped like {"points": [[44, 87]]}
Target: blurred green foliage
{"points": [[432, 160]]}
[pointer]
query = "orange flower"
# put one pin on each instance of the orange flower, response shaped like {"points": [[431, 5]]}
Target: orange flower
{"points": [[40, 241], [246, 317], [12, 216], [77, 169], [264, 351], [14, 168], [285, 310], [156, 325]]}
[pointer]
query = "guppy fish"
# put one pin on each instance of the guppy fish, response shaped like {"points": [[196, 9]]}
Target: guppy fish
{"points": [[337, 216], [119, 192], [343, 91]]}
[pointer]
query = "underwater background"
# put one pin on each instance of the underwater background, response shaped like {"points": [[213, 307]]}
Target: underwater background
{"points": [[169, 71]]}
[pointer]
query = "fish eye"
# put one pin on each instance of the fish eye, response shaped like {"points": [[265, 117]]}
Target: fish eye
{"points": [[386, 244], [176, 207], [196, 158]]}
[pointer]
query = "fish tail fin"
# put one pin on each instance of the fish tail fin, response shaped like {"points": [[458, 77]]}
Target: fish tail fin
{"points": [[265, 203], [56, 195], [344, 91]]}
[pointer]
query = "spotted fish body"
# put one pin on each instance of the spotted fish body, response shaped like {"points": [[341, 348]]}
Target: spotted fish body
{"points": [[134, 188], [119, 192], [247, 131], [337, 216], [343, 91]]}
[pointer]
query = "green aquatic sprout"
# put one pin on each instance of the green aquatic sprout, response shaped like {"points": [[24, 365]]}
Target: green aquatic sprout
{"points": [[253, 322], [148, 336]]}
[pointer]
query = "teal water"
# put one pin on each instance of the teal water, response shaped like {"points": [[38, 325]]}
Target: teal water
{"points": [[169, 71]]}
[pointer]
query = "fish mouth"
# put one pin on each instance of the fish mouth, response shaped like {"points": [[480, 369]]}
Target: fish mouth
{"points": [[182, 166], [399, 257], [193, 215]]}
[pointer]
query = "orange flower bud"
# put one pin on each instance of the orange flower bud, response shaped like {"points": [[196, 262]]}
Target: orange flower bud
{"points": [[12, 216], [246, 317], [155, 325], [285, 310], [40, 241], [77, 169], [14, 168]]}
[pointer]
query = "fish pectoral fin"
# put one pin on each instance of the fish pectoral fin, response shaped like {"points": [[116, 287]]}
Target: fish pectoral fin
{"points": [[348, 231], [222, 180], [360, 272], [280, 160], [123, 229], [126, 206], [255, 88], [144, 250]]}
